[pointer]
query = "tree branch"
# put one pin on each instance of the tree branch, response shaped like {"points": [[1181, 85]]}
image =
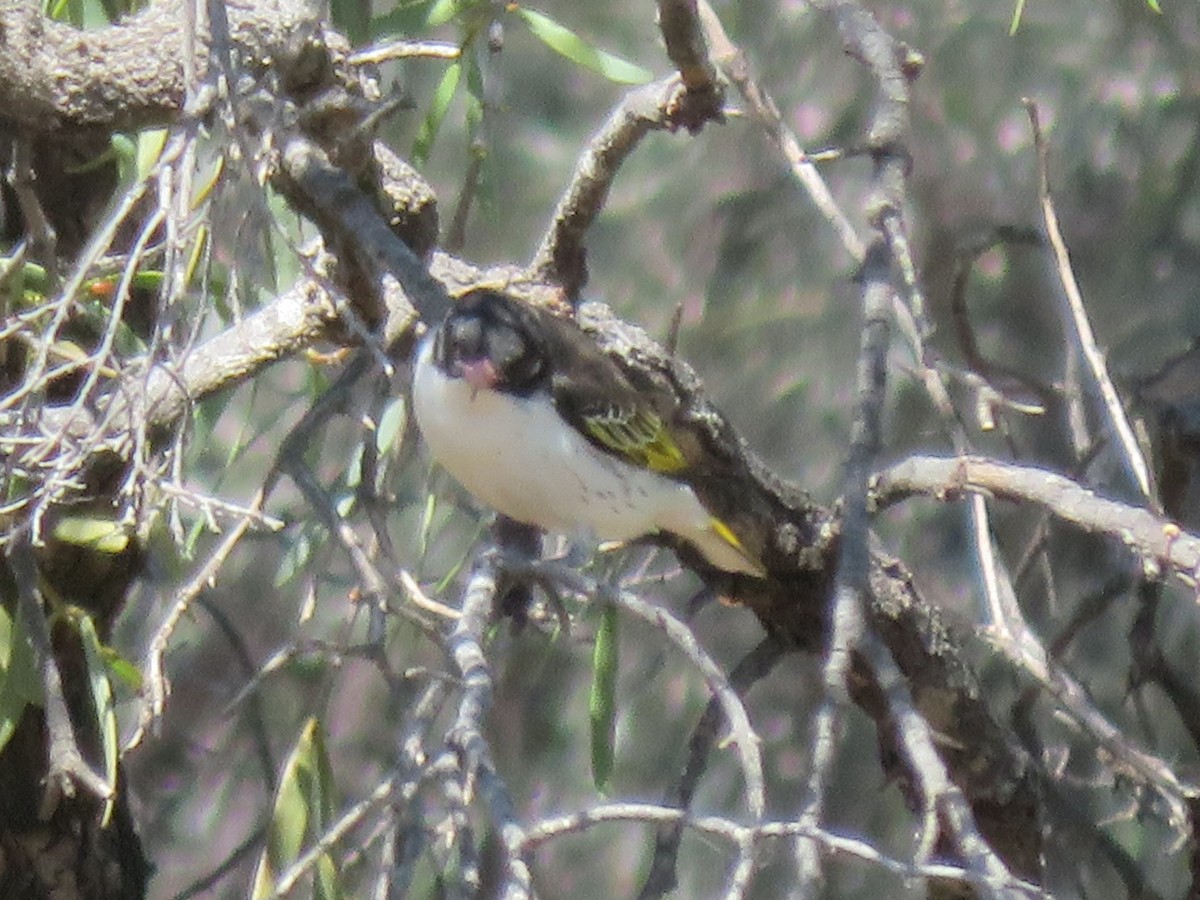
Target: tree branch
{"points": [[130, 75]]}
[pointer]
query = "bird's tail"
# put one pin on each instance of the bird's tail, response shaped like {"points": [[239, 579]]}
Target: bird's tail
{"points": [[721, 547]]}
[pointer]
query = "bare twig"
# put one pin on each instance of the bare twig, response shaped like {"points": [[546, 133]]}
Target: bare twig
{"points": [[560, 256], [387, 50], [292, 321], [853, 567], [742, 735], [345, 823], [480, 137], [413, 769], [937, 790], [679, 22], [42, 240], [661, 879], [733, 833], [737, 69], [465, 642], [157, 686], [1160, 542], [1157, 541], [1113, 409], [67, 767]]}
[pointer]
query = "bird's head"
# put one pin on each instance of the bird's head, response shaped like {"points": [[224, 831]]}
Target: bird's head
{"points": [[491, 342]]}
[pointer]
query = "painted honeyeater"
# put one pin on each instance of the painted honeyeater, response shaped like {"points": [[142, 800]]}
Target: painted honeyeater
{"points": [[534, 420]]}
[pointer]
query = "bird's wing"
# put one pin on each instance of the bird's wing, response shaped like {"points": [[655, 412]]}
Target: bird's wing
{"points": [[592, 393], [636, 435]]}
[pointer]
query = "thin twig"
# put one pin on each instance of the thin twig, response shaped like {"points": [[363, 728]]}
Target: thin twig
{"points": [[1113, 408], [661, 877], [683, 37], [42, 239], [1157, 541], [741, 733], [388, 50], [560, 256], [157, 687], [727, 830], [67, 767], [937, 790], [465, 642], [734, 65], [347, 821]]}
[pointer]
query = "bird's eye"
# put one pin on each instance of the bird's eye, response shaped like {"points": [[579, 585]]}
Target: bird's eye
{"points": [[465, 336], [525, 371], [519, 361]]}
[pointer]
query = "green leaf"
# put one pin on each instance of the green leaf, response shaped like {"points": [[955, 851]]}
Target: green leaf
{"points": [[425, 531], [150, 144], [353, 475], [101, 535], [30, 278], [391, 426], [304, 805], [437, 113], [102, 703], [65, 11], [19, 681], [443, 11], [295, 559], [602, 704], [474, 95], [564, 41], [120, 667], [1018, 11]]}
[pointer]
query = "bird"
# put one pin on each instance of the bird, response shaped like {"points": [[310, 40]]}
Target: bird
{"points": [[528, 414]]}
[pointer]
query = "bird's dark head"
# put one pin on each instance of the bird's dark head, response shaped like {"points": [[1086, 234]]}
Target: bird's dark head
{"points": [[491, 341]]}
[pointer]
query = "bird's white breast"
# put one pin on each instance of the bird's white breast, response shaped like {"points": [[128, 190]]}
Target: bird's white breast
{"points": [[519, 457]]}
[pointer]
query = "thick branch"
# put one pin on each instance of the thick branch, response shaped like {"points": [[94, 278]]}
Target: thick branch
{"points": [[129, 75]]}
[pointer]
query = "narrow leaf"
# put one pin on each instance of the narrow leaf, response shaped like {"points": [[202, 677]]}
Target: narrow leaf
{"points": [[564, 41], [19, 681], [391, 426], [602, 704], [120, 667], [445, 10], [102, 703], [150, 144], [437, 113], [303, 809], [1018, 12], [101, 535]]}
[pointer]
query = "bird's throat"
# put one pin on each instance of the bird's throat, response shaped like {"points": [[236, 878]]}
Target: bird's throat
{"points": [[480, 374]]}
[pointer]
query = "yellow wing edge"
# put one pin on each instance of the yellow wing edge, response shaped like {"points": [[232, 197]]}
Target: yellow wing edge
{"points": [[642, 439], [725, 533]]}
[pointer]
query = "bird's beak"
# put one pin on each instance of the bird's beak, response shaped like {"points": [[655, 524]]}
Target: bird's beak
{"points": [[480, 374]]}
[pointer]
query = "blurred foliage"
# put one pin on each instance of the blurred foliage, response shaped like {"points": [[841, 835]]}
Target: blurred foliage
{"points": [[305, 806], [20, 682]]}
